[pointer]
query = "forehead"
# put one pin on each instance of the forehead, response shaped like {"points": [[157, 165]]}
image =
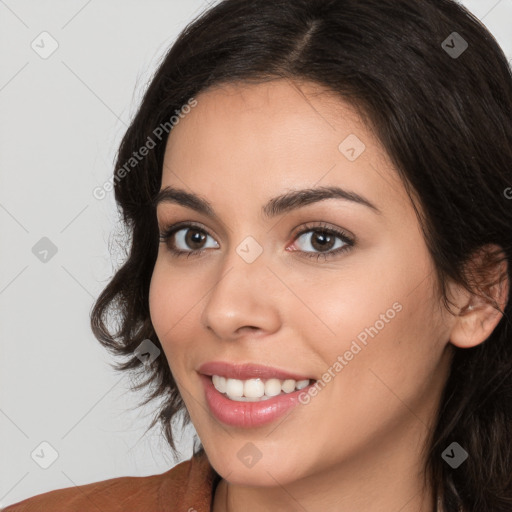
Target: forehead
{"points": [[273, 111], [259, 139]]}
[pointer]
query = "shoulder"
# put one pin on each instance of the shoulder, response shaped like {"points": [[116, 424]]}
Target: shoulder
{"points": [[188, 486]]}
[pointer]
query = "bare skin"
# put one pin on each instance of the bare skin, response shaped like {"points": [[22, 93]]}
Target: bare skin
{"points": [[356, 445]]}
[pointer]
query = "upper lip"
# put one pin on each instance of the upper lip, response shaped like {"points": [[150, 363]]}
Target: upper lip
{"points": [[247, 371]]}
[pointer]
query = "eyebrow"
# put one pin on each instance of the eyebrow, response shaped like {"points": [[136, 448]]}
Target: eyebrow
{"points": [[279, 205]]}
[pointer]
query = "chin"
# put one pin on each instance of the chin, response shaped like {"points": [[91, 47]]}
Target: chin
{"points": [[247, 466]]}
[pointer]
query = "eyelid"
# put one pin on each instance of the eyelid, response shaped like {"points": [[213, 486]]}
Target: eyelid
{"points": [[310, 226], [221, 229], [304, 228], [169, 230], [348, 238]]}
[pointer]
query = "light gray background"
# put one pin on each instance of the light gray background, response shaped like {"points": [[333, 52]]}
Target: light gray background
{"points": [[62, 119]]}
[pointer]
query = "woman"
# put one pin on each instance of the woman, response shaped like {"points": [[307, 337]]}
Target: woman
{"points": [[318, 199]]}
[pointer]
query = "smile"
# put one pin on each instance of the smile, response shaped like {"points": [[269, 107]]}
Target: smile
{"points": [[250, 395], [252, 390]]}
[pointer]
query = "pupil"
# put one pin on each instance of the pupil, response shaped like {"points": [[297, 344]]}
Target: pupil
{"points": [[325, 241], [195, 237]]}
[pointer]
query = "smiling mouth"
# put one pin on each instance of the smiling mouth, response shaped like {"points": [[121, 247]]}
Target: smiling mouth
{"points": [[255, 390]]}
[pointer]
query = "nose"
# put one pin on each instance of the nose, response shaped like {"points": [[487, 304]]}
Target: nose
{"points": [[244, 300]]}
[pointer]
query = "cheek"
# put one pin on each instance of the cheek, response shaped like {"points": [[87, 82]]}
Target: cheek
{"points": [[173, 301], [379, 309], [158, 300], [377, 368]]}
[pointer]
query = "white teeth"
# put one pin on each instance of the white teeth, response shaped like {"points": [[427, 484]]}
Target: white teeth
{"points": [[219, 383], [255, 389], [234, 388], [273, 387], [302, 384], [288, 385]]}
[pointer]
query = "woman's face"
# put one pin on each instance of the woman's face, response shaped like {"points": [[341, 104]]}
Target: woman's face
{"points": [[336, 294]]}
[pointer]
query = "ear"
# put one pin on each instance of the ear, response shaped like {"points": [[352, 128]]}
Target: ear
{"points": [[480, 313]]}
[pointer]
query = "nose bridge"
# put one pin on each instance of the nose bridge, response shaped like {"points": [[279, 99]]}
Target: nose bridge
{"points": [[240, 297]]}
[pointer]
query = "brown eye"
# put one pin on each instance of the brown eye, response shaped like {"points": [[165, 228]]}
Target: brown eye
{"points": [[194, 238], [322, 240], [319, 241], [187, 239]]}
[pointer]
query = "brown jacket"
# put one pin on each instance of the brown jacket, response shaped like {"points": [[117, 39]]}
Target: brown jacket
{"points": [[187, 487]]}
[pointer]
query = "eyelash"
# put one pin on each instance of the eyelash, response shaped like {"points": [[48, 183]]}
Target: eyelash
{"points": [[349, 242]]}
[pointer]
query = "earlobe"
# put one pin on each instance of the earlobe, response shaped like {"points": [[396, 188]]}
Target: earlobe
{"points": [[478, 318], [474, 324]]}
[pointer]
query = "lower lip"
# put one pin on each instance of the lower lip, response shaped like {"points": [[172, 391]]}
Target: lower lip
{"points": [[248, 414]]}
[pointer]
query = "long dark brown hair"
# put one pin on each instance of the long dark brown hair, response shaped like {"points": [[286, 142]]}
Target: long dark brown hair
{"points": [[440, 104]]}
